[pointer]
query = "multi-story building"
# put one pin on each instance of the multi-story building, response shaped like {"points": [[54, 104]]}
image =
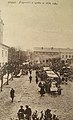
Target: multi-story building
{"points": [[3, 48], [45, 55]]}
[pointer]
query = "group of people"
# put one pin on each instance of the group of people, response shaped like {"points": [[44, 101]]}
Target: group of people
{"points": [[24, 113], [49, 87], [44, 115], [27, 114]]}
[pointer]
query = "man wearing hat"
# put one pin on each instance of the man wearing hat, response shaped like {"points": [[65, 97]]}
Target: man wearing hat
{"points": [[48, 114], [21, 113], [12, 92], [28, 112]]}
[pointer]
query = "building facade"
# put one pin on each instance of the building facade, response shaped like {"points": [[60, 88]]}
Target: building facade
{"points": [[45, 55], [3, 48]]}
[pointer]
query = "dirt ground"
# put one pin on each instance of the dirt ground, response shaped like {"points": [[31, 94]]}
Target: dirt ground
{"points": [[26, 93]]}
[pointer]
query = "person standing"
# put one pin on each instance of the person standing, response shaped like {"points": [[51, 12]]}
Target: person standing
{"points": [[28, 112], [36, 79], [35, 115], [12, 92], [30, 71], [21, 113], [42, 90], [30, 78], [48, 115], [42, 115]]}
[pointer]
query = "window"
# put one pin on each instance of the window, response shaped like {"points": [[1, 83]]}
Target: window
{"points": [[62, 56], [2, 63], [43, 60], [66, 61], [66, 56], [5, 53], [2, 53], [46, 60], [69, 56]]}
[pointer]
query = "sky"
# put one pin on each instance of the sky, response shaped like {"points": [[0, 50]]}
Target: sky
{"points": [[29, 25]]}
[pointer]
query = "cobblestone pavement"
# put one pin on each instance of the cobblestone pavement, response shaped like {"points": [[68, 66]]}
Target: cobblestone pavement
{"points": [[27, 94]]}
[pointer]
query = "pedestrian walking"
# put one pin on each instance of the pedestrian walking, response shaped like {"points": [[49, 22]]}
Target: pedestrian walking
{"points": [[30, 71], [30, 78], [12, 92], [36, 79]]}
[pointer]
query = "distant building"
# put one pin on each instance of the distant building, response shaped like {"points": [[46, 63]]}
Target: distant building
{"points": [[45, 55], [3, 48]]}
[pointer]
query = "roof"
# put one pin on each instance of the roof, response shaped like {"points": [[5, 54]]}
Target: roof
{"points": [[4, 45], [44, 49], [46, 68], [51, 74]]}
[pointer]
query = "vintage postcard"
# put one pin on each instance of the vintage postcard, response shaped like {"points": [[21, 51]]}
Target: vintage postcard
{"points": [[36, 60]]}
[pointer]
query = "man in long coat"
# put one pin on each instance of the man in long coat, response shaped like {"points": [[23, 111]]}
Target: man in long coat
{"points": [[12, 94]]}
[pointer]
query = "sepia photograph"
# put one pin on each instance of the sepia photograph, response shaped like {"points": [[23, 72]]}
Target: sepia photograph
{"points": [[36, 60]]}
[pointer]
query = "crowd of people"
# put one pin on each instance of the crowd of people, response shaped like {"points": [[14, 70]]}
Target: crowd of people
{"points": [[27, 114], [45, 87], [50, 88]]}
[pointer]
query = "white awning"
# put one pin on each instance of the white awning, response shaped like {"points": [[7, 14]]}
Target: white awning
{"points": [[46, 68], [51, 74]]}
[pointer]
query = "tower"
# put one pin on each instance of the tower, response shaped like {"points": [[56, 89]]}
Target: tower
{"points": [[1, 29]]}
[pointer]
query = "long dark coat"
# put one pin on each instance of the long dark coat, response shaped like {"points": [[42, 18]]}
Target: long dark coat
{"points": [[12, 93], [42, 90]]}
